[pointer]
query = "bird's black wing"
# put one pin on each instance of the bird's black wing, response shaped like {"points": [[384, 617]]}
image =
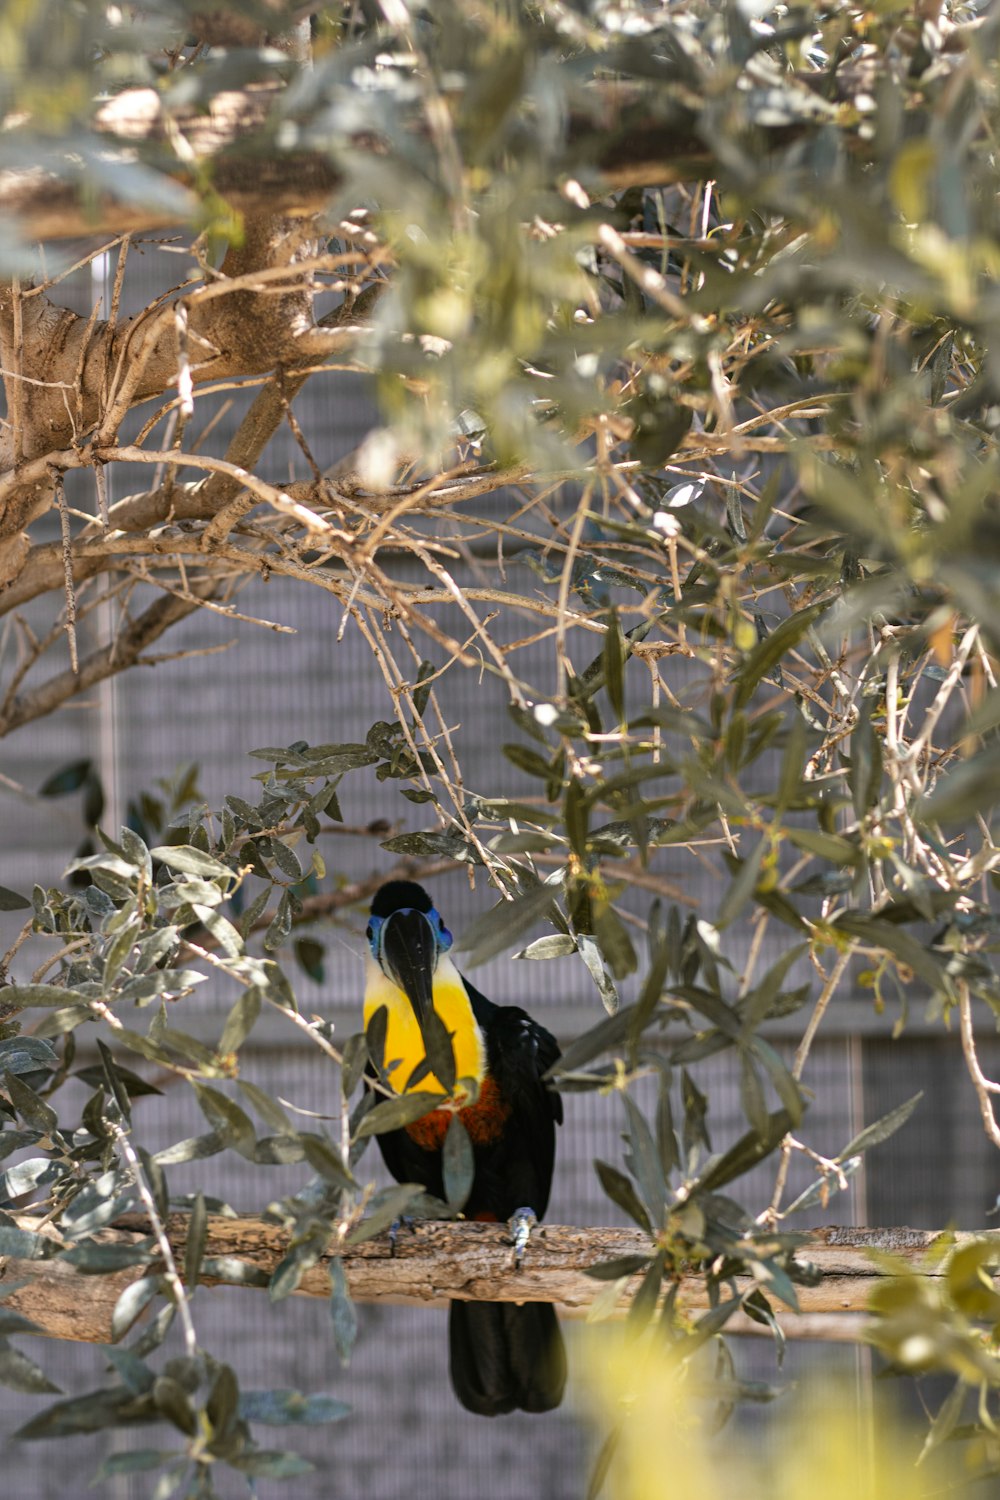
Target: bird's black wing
{"points": [[504, 1356], [407, 1161], [517, 1171]]}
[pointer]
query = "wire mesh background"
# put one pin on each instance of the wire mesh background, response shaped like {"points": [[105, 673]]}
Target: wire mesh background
{"points": [[407, 1436]]}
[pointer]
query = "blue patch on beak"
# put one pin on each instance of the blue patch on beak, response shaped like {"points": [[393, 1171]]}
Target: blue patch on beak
{"points": [[373, 932], [441, 933]]}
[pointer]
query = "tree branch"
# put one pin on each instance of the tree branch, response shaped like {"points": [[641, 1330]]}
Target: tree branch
{"points": [[438, 1261], [123, 652]]}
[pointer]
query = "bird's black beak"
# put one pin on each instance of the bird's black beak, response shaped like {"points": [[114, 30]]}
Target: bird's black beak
{"points": [[409, 951]]}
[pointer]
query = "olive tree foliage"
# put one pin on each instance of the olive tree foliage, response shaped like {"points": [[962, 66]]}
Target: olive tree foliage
{"points": [[684, 327]]}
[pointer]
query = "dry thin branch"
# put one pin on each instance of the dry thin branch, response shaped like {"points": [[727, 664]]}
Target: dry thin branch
{"points": [[983, 1086], [107, 661], [67, 556], [170, 1272], [801, 1056]]}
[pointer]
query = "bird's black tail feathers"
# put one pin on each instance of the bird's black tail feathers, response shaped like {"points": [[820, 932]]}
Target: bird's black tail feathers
{"points": [[505, 1357]]}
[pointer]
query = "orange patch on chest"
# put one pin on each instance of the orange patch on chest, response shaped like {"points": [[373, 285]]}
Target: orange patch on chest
{"points": [[483, 1120]]}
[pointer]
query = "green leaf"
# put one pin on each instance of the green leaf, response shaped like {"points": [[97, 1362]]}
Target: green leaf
{"points": [[281, 924], [449, 845], [614, 941], [23, 1244], [829, 846], [782, 1081], [496, 930], [355, 1057], [225, 933], [457, 1164], [28, 1175], [790, 780], [12, 900], [945, 1419], [194, 1245], [286, 860], [613, 1270], [226, 1119], [643, 1161], [240, 1021], [27, 1054], [90, 1413], [575, 818], [556, 945], [644, 1302], [172, 1402], [742, 885], [528, 761], [752, 1094], [33, 1110], [881, 1130], [70, 779], [392, 1113], [614, 658], [440, 1053], [769, 653], [269, 1110], [222, 1403], [187, 860], [325, 1159], [343, 1314], [114, 1084], [383, 1210], [618, 1188], [288, 1408], [134, 1461], [133, 1371], [14, 1322], [902, 945], [20, 1373], [91, 1258], [591, 955], [233, 1272], [194, 1148], [865, 774], [606, 1035], [310, 955], [746, 1153], [264, 1464], [422, 686], [27, 996], [666, 1136]]}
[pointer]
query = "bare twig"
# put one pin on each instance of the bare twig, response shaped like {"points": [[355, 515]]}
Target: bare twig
{"points": [[67, 556], [170, 1272]]}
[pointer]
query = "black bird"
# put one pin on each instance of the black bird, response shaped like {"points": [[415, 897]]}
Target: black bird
{"points": [[502, 1356]]}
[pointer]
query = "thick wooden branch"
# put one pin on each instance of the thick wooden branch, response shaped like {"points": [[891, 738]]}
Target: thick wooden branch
{"points": [[435, 1262]]}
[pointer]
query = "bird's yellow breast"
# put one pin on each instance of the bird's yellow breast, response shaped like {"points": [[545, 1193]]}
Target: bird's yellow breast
{"points": [[404, 1045]]}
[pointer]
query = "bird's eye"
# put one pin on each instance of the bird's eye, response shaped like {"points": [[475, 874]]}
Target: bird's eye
{"points": [[368, 932]]}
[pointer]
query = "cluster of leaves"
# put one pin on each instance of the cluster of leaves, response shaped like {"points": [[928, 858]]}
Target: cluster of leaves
{"points": [[942, 1317], [140, 935], [131, 926], [775, 388]]}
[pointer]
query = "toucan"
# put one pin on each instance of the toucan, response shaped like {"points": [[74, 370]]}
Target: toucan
{"points": [[488, 1062]]}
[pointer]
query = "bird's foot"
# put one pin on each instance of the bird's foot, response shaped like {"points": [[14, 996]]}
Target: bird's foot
{"points": [[521, 1222], [404, 1221]]}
